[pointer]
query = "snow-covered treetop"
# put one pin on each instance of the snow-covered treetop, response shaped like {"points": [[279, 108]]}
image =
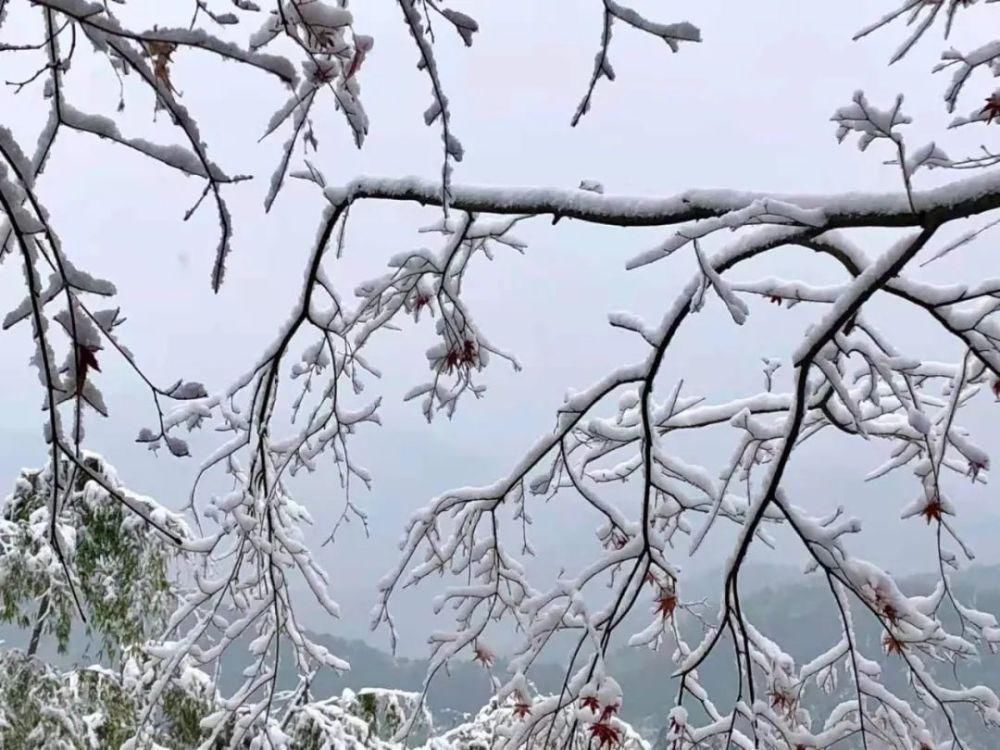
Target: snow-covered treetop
{"points": [[845, 375]]}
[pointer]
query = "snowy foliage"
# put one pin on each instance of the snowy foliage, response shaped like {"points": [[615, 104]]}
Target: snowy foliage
{"points": [[369, 718], [114, 573], [43, 708], [76, 542], [98, 708], [501, 720], [99, 557]]}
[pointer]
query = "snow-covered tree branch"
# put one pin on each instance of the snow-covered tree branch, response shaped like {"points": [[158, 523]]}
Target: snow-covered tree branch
{"points": [[173, 594]]}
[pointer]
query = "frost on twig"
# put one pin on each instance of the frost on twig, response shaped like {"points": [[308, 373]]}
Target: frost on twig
{"points": [[673, 34]]}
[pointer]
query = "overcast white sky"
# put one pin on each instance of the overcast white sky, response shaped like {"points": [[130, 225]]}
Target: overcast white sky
{"points": [[748, 108]]}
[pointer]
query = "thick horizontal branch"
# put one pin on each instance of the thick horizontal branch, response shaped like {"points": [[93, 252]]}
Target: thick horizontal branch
{"points": [[956, 200]]}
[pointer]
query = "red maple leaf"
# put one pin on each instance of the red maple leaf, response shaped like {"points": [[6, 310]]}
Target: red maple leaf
{"points": [[86, 360], [992, 108], [996, 388], [666, 603], [460, 357], [605, 734], [609, 710], [469, 352], [781, 701], [775, 299], [891, 644], [483, 655], [450, 361], [932, 511], [590, 702], [522, 709]]}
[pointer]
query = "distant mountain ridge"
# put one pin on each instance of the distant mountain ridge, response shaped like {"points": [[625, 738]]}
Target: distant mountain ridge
{"points": [[792, 609]]}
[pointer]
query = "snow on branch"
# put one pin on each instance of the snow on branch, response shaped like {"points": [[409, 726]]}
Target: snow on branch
{"points": [[959, 199], [673, 34], [306, 396]]}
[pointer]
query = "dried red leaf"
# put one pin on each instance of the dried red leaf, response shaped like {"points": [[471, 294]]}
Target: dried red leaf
{"points": [[666, 603], [469, 352], [992, 108], [932, 511], [161, 52], [483, 655], [460, 357], [781, 701], [604, 734], [86, 360], [522, 710], [451, 360], [892, 645]]}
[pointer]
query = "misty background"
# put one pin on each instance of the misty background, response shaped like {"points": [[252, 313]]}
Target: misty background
{"points": [[749, 108]]}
